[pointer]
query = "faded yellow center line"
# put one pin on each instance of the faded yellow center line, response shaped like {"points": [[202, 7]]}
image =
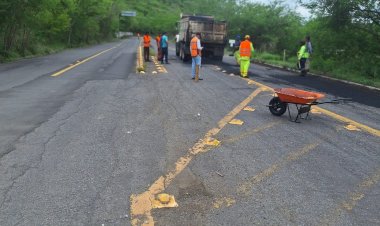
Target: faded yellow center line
{"points": [[246, 187], [250, 133], [159, 66], [141, 204], [140, 64], [333, 115], [353, 199], [82, 62]]}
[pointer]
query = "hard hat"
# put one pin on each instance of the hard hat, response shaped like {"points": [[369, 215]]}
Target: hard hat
{"points": [[247, 37]]}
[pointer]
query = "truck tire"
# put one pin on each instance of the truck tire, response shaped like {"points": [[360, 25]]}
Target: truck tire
{"points": [[186, 58], [177, 49], [181, 54]]}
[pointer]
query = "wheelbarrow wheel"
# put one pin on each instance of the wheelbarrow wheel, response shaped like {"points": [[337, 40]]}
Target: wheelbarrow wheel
{"points": [[276, 107]]}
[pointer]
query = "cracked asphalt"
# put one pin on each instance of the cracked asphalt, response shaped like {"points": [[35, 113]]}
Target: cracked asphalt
{"points": [[74, 148]]}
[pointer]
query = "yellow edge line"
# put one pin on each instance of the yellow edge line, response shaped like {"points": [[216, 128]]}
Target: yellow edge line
{"points": [[141, 205], [83, 61], [350, 121], [341, 118]]}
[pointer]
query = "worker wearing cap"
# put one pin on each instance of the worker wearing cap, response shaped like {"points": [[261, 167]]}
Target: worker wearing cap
{"points": [[196, 52], [246, 51]]}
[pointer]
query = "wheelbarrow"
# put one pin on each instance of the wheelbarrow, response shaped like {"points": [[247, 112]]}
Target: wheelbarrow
{"points": [[303, 100]]}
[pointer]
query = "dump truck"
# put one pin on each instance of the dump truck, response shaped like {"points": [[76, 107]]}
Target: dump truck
{"points": [[213, 36]]}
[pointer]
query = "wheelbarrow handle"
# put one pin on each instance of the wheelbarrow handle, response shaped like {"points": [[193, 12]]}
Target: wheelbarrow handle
{"points": [[334, 101]]}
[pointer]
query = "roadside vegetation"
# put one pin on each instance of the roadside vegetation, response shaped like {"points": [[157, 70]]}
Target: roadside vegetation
{"points": [[36, 27], [345, 34]]}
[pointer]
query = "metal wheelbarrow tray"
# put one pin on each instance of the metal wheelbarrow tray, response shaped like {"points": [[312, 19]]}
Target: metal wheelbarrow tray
{"points": [[303, 100]]}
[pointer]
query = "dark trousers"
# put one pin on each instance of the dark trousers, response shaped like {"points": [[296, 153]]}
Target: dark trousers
{"points": [[159, 54], [164, 54], [302, 66], [146, 53]]}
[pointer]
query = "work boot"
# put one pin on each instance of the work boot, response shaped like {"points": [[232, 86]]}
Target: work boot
{"points": [[303, 73]]}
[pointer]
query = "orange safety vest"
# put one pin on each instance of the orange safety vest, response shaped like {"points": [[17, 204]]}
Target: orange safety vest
{"points": [[194, 48], [158, 40], [146, 40], [245, 48]]}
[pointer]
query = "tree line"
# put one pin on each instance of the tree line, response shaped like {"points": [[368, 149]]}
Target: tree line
{"points": [[30, 26]]}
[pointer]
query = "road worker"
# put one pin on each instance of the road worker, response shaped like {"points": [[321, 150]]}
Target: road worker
{"points": [[309, 49], [236, 44], [159, 51], [196, 56], [302, 56], [146, 46], [164, 48], [246, 52]]}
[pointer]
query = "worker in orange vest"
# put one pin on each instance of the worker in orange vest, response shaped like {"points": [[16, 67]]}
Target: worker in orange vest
{"points": [[158, 42], [146, 46], [196, 53], [246, 51]]}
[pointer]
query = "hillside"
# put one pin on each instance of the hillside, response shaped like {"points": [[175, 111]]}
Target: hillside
{"points": [[162, 15]]}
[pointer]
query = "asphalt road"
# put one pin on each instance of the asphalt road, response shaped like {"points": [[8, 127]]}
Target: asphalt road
{"points": [[95, 144]]}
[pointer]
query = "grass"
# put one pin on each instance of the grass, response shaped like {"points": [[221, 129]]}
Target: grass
{"points": [[327, 68], [33, 51], [38, 49]]}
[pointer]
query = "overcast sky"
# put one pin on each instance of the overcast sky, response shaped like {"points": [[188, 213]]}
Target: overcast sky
{"points": [[293, 4]]}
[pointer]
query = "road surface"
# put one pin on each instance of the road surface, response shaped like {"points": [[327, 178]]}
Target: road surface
{"points": [[85, 140]]}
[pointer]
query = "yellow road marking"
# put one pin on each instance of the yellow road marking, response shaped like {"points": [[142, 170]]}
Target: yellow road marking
{"points": [[249, 133], [141, 205], [225, 201], [246, 187], [353, 199], [315, 111], [350, 121], [81, 62], [212, 142], [325, 112], [253, 82], [160, 67], [249, 108], [352, 128], [164, 201], [236, 122]]}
